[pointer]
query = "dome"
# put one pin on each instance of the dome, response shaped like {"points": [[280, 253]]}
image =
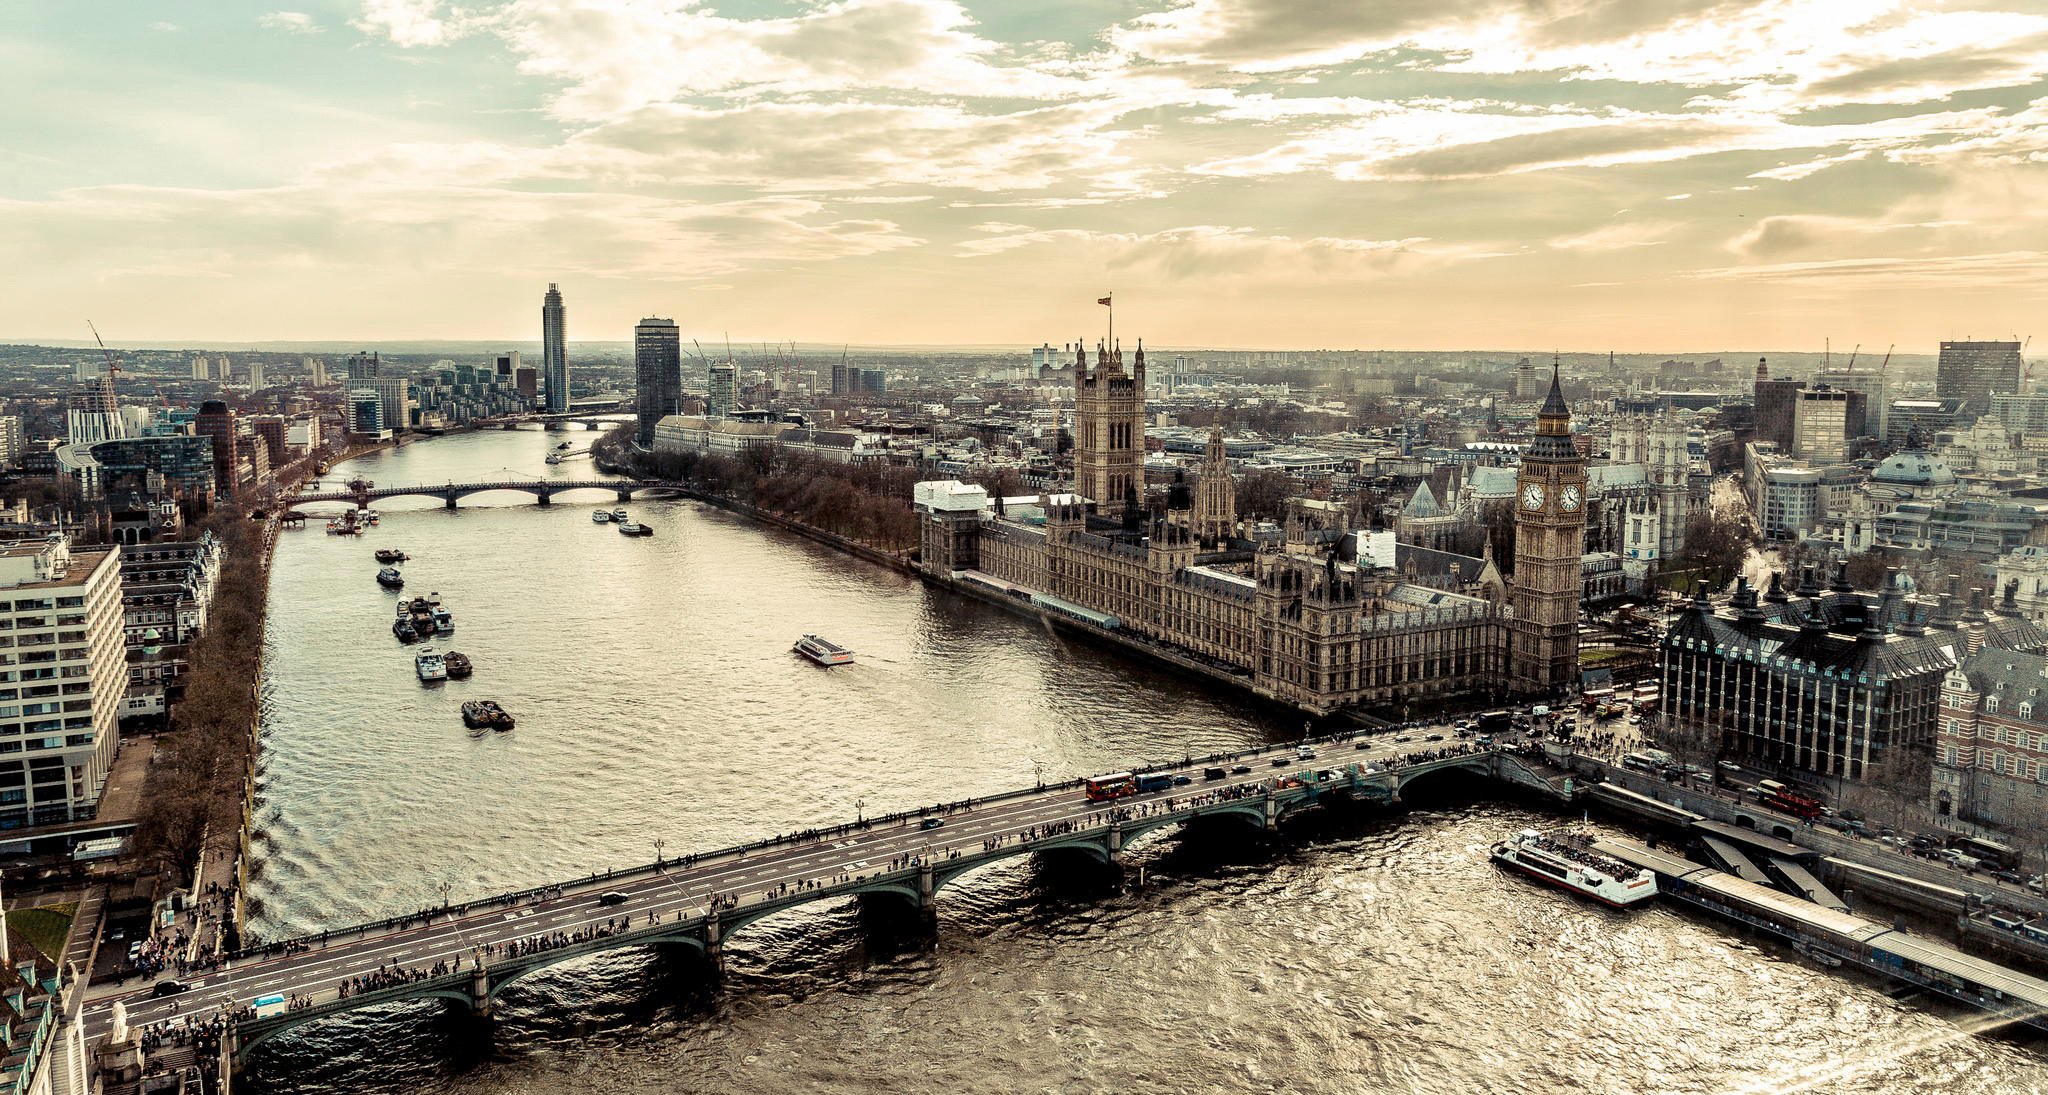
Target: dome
{"points": [[1914, 469]]}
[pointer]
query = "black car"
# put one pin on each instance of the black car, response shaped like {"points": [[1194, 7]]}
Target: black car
{"points": [[612, 897], [1212, 773], [1434, 737], [1181, 781], [1279, 762], [1241, 770], [931, 823], [169, 988]]}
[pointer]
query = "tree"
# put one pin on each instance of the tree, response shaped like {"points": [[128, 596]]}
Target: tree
{"points": [[1262, 495], [1716, 542], [1894, 789]]}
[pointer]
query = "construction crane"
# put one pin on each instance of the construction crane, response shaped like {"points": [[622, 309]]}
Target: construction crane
{"points": [[2028, 374], [113, 367], [1851, 367]]}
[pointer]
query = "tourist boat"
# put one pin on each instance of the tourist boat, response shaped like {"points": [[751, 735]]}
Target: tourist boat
{"points": [[823, 651], [635, 528], [1569, 862], [444, 622], [402, 627], [389, 578], [564, 445], [370, 517], [430, 666], [458, 665], [391, 555], [485, 715], [601, 516], [620, 514]]}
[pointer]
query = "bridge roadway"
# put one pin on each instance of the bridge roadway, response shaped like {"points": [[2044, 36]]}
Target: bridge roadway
{"points": [[543, 490], [672, 903]]}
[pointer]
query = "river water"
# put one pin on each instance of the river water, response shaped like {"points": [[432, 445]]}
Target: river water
{"points": [[657, 700]]}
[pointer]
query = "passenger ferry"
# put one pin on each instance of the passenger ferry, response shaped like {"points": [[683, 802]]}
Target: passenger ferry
{"points": [[620, 515], [1569, 862], [634, 528], [601, 516], [430, 666], [823, 651]]}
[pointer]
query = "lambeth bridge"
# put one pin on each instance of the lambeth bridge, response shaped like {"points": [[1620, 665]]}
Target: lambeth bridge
{"points": [[471, 952], [362, 492]]}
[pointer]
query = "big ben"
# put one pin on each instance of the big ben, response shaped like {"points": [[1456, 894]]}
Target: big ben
{"points": [[1550, 542]]}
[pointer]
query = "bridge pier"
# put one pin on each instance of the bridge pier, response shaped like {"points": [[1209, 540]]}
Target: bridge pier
{"points": [[1271, 810], [543, 498], [448, 500], [714, 949], [625, 495], [480, 991], [1116, 844], [927, 891]]}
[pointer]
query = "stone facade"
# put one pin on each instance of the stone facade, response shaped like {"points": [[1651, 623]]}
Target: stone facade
{"points": [[1991, 751], [1109, 429], [1550, 545]]}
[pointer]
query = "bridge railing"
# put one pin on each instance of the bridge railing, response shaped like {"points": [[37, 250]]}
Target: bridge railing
{"points": [[325, 938]]}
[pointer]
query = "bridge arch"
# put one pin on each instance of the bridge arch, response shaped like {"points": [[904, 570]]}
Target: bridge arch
{"points": [[247, 1043], [547, 959], [1403, 777]]}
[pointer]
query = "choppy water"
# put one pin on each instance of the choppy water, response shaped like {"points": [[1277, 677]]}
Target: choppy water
{"points": [[657, 699]]}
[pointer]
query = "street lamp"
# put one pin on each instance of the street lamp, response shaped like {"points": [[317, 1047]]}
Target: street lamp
{"points": [[445, 888], [1038, 770], [659, 844], [859, 807]]}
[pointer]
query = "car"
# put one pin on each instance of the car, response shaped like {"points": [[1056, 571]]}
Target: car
{"points": [[1399, 738], [1279, 762], [1212, 773], [169, 988], [612, 897], [1485, 739], [931, 823], [1241, 770], [1363, 745], [2038, 884], [1178, 781], [1729, 768], [1434, 737]]}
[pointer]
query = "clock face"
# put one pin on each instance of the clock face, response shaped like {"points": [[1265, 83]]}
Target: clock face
{"points": [[1570, 498], [1532, 496]]}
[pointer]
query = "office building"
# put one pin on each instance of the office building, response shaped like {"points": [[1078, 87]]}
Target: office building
{"points": [[1823, 682], [872, 381], [166, 592], [657, 374], [1776, 402], [63, 614], [1926, 416], [94, 414], [11, 441], [839, 377], [155, 465], [554, 356], [395, 393], [366, 413], [1869, 382], [217, 422], [270, 429], [1823, 421], [2019, 413], [527, 381], [1973, 372], [722, 391], [1991, 753], [365, 365]]}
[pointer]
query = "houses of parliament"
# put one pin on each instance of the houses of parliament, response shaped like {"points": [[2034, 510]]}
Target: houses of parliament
{"points": [[1313, 617]]}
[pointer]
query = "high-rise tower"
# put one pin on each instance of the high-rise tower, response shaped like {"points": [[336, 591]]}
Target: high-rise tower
{"points": [[1215, 495], [1109, 428], [657, 373], [554, 351], [1550, 544]]}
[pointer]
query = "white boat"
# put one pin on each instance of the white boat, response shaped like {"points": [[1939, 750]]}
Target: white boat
{"points": [[430, 666], [1569, 862], [601, 516], [634, 528], [620, 514], [823, 651]]}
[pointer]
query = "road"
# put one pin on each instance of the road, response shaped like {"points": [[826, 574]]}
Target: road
{"points": [[1003, 827]]}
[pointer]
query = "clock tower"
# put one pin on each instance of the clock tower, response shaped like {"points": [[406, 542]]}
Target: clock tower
{"points": [[1550, 543]]}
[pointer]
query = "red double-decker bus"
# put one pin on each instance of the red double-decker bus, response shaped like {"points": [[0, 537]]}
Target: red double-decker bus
{"points": [[1113, 785], [1794, 803]]}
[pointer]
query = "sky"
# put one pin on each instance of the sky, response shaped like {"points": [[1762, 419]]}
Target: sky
{"points": [[1634, 175]]}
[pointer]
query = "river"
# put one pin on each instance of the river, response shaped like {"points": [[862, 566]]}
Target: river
{"points": [[657, 701]]}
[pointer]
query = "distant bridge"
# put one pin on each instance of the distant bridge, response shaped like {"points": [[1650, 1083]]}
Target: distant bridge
{"points": [[469, 953], [363, 492]]}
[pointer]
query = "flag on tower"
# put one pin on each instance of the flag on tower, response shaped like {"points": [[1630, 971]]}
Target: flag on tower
{"points": [[1104, 301]]}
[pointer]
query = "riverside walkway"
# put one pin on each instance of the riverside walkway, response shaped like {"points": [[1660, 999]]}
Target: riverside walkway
{"points": [[470, 952]]}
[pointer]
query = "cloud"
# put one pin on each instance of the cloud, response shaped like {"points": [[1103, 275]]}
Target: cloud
{"points": [[164, 27], [409, 23], [290, 22], [1616, 237], [1218, 252], [2018, 268], [128, 231], [1795, 171]]}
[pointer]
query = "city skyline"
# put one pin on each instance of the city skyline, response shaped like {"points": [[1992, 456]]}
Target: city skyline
{"points": [[1745, 173]]}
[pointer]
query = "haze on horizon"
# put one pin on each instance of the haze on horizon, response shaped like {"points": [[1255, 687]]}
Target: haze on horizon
{"points": [[1425, 174]]}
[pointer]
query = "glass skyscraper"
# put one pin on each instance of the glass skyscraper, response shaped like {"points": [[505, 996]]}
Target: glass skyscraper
{"points": [[658, 374], [554, 341]]}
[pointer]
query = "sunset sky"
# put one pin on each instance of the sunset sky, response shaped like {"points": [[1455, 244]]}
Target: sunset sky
{"points": [[1441, 174]]}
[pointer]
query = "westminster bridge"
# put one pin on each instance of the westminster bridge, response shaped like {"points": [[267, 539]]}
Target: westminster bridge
{"points": [[469, 953]]}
